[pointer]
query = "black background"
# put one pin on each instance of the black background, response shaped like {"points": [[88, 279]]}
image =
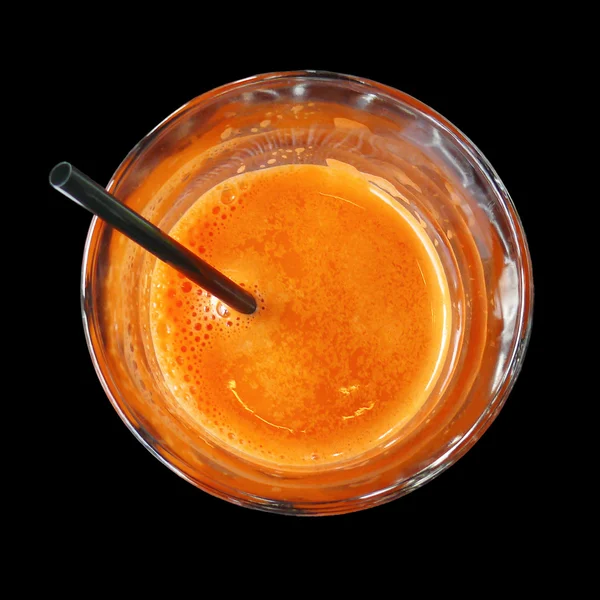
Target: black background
{"points": [[101, 481]]}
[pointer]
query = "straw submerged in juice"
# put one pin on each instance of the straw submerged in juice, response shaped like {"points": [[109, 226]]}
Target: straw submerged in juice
{"points": [[351, 327]]}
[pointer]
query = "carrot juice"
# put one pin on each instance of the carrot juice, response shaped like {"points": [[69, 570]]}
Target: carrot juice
{"points": [[352, 322], [392, 279]]}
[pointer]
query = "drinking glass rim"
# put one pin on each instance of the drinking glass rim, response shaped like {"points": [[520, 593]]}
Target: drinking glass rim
{"points": [[520, 338]]}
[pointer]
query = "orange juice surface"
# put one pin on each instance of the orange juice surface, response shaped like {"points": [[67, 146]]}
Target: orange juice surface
{"points": [[352, 322]]}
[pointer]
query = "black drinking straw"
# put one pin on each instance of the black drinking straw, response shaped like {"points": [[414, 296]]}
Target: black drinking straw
{"points": [[93, 197]]}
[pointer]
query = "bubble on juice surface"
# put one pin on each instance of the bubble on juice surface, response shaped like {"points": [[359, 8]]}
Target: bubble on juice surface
{"points": [[228, 195], [222, 309]]}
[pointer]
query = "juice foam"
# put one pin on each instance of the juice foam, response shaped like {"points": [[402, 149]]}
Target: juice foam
{"points": [[351, 328]]}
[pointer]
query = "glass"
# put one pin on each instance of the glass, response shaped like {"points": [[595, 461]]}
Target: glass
{"points": [[412, 154]]}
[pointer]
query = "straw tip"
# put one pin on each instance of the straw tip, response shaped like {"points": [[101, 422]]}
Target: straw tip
{"points": [[60, 174]]}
